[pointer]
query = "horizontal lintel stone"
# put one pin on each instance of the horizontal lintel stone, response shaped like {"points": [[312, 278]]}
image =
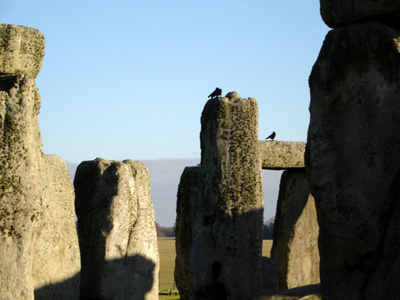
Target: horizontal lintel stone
{"points": [[279, 155], [21, 50], [338, 13]]}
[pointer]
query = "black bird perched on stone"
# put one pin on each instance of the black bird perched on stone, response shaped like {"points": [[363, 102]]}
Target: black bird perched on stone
{"points": [[271, 136], [216, 93]]}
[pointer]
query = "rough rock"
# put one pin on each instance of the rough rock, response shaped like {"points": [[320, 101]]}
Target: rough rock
{"points": [[188, 199], [277, 155], [336, 13], [116, 228], [352, 161], [36, 250], [295, 246], [56, 251], [21, 50], [232, 95], [220, 207], [308, 292], [20, 198]]}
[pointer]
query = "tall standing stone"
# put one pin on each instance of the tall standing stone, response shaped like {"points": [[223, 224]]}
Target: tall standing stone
{"points": [[352, 160], [20, 197], [220, 213], [189, 197], [39, 255], [296, 231], [117, 233]]}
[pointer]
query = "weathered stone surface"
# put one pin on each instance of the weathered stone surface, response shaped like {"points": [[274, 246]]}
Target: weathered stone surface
{"points": [[188, 200], [21, 50], [117, 233], [220, 207], [296, 230], [56, 252], [20, 197], [308, 292], [352, 161], [39, 246], [232, 95], [336, 13], [282, 155], [189, 197]]}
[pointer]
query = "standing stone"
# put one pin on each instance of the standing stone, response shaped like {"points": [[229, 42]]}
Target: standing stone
{"points": [[353, 162], [220, 213], [117, 233], [20, 197], [296, 230], [39, 246], [189, 196], [57, 262]]}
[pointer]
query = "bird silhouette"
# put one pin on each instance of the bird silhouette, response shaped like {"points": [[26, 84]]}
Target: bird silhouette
{"points": [[271, 136], [216, 93]]}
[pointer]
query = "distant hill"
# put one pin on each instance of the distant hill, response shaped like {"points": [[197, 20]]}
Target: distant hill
{"points": [[72, 169], [165, 176]]}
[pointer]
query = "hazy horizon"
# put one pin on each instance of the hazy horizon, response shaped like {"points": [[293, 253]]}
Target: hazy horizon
{"points": [[164, 180]]}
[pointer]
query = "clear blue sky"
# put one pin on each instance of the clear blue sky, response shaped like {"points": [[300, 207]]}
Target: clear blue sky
{"points": [[129, 79]]}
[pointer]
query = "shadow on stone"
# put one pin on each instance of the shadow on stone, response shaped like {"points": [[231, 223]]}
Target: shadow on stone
{"points": [[220, 206], [120, 289], [296, 231], [352, 159], [219, 260], [116, 229], [52, 291], [216, 290]]}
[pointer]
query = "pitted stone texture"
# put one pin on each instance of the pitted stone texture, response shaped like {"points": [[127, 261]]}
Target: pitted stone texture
{"points": [[296, 230], [337, 13], [277, 155], [56, 252], [117, 233], [220, 207], [36, 250], [20, 197], [21, 50], [352, 161]]}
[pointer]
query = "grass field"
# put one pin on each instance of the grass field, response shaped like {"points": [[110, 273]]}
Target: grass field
{"points": [[166, 248], [266, 249]]}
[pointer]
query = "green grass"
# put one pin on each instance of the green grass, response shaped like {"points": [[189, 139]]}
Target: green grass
{"points": [[266, 249], [166, 248]]}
